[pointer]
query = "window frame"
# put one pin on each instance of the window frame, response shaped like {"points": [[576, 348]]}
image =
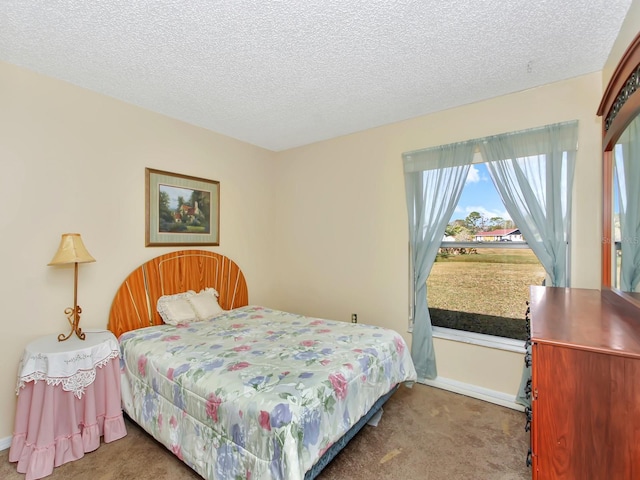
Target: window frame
{"points": [[474, 338], [481, 339]]}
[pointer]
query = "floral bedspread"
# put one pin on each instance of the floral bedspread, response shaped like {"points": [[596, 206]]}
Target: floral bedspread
{"points": [[257, 393]]}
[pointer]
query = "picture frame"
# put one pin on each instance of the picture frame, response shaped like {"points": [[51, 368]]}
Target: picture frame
{"points": [[181, 210]]}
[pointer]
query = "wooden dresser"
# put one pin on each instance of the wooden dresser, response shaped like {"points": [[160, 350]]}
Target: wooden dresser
{"points": [[585, 389]]}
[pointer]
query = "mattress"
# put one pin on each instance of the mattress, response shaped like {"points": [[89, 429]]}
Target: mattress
{"points": [[257, 393]]}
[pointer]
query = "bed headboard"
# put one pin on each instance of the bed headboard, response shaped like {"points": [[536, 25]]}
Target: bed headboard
{"points": [[134, 305]]}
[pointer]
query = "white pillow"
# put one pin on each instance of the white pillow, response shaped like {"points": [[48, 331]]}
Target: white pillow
{"points": [[205, 303], [176, 309]]}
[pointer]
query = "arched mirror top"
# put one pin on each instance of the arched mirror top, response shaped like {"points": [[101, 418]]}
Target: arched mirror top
{"points": [[621, 103], [620, 110]]}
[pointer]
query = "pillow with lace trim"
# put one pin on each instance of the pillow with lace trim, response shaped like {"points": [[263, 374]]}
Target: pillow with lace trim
{"points": [[205, 304], [176, 309]]}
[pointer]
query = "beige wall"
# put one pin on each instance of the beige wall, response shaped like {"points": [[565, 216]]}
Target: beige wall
{"points": [[342, 222], [320, 230], [73, 161]]}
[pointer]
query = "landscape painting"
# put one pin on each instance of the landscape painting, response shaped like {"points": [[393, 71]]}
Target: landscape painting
{"points": [[181, 210]]}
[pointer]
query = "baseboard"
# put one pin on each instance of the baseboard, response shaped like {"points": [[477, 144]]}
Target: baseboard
{"points": [[474, 391], [5, 443]]}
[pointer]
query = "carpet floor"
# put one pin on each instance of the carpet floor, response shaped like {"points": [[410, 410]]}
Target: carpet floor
{"points": [[425, 434]]}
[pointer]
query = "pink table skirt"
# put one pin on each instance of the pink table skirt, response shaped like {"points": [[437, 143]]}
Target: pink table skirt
{"points": [[53, 426]]}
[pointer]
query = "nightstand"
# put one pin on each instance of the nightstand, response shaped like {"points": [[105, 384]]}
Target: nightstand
{"points": [[68, 397]]}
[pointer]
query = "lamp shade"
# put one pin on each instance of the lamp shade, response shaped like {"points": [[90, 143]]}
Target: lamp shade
{"points": [[71, 250]]}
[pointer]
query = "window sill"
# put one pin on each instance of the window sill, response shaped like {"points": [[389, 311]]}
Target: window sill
{"points": [[490, 341]]}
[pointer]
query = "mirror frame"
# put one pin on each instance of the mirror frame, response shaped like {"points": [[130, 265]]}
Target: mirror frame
{"points": [[619, 106]]}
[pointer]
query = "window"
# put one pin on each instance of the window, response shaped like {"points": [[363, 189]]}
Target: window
{"points": [[533, 172], [482, 273]]}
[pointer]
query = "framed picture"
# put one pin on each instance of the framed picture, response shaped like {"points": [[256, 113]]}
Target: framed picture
{"points": [[181, 210]]}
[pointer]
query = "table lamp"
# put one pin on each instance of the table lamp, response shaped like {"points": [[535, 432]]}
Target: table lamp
{"points": [[72, 250]]}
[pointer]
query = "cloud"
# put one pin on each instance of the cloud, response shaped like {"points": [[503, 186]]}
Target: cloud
{"points": [[473, 175]]}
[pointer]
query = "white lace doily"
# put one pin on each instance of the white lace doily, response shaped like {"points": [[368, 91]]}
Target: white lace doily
{"points": [[71, 363]]}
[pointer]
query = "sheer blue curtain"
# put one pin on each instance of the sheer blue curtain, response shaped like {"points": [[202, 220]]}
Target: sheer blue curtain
{"points": [[533, 173], [434, 179], [627, 174]]}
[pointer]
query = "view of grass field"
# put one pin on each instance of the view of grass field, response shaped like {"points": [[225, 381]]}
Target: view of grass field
{"points": [[483, 292]]}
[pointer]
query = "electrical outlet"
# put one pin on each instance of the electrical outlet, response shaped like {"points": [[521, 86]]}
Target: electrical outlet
{"points": [[354, 318]]}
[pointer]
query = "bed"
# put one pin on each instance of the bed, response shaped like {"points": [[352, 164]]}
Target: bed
{"points": [[248, 391]]}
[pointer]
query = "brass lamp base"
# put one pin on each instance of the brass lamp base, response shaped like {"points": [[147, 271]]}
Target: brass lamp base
{"points": [[73, 316]]}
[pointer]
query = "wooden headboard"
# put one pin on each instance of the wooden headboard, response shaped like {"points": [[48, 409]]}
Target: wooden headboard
{"points": [[134, 305]]}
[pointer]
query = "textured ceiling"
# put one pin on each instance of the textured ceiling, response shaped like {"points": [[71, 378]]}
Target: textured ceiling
{"points": [[280, 74]]}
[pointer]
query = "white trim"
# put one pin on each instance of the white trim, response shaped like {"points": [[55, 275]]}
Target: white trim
{"points": [[5, 443], [474, 391], [491, 341]]}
